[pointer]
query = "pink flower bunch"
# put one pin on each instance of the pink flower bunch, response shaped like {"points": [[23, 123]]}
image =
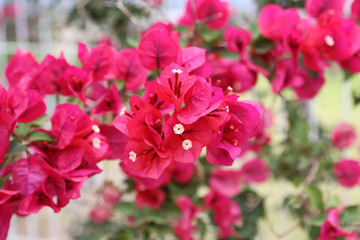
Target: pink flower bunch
{"points": [[330, 229], [56, 163], [198, 115], [103, 210], [303, 46]]}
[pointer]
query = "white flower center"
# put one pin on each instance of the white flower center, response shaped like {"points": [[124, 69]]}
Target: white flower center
{"points": [[227, 108], [132, 156], [187, 144], [329, 40], [179, 71], [122, 111], [96, 142], [178, 128], [95, 128]]}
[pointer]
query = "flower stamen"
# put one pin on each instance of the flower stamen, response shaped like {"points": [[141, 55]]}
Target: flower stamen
{"points": [[187, 144], [132, 156], [178, 128]]}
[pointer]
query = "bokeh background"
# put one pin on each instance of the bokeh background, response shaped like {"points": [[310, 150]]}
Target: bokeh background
{"points": [[56, 26]]}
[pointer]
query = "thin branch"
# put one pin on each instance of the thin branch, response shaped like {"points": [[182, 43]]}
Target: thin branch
{"points": [[120, 5], [286, 232]]}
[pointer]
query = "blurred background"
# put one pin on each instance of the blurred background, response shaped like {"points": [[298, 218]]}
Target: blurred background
{"points": [[56, 26]]}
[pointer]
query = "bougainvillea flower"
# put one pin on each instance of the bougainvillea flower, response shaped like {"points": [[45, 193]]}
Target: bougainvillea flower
{"points": [[347, 172], [343, 136], [152, 157], [101, 213], [242, 76], [276, 23], [27, 174], [237, 40], [248, 112], [244, 119], [353, 63], [255, 171], [261, 137], [111, 195], [35, 201], [214, 13], [355, 10], [109, 103], [67, 122], [153, 198], [143, 181], [316, 7], [45, 81], [129, 69], [197, 100], [99, 144], [25, 105], [194, 61], [186, 141], [333, 38], [330, 229], [151, 96], [73, 82], [226, 182], [226, 213], [141, 121], [284, 76], [204, 100], [98, 61], [222, 154], [158, 48], [182, 173], [184, 228], [115, 139], [20, 69], [287, 74], [173, 83]]}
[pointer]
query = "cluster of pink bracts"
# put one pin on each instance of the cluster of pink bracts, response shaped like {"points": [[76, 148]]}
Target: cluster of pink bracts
{"points": [[189, 107]]}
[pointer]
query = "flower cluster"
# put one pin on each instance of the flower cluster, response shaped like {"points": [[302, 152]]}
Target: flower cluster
{"points": [[49, 167]]}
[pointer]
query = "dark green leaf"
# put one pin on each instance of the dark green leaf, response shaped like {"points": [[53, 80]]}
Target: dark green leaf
{"points": [[315, 197], [16, 147], [41, 136]]}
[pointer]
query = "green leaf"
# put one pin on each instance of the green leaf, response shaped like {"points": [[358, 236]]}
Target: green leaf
{"points": [[210, 35], [319, 220], [315, 197], [333, 202], [252, 207], [349, 215], [128, 209], [133, 42], [41, 136], [25, 128], [262, 45], [16, 147], [40, 120], [121, 236]]}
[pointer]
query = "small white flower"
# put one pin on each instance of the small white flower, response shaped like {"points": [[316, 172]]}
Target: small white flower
{"points": [[132, 156], [96, 142], [178, 128], [95, 128], [122, 111], [179, 71], [187, 144], [329, 40]]}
